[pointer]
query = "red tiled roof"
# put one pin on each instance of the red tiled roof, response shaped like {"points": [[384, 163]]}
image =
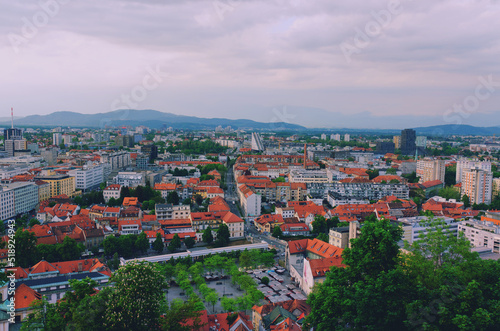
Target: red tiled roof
{"points": [[24, 296]]}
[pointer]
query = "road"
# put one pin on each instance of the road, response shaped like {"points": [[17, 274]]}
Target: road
{"points": [[250, 230]]}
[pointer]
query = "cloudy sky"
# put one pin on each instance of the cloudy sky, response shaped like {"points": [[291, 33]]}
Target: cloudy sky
{"points": [[391, 62]]}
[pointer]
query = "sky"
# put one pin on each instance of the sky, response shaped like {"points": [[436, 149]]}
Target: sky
{"points": [[366, 63]]}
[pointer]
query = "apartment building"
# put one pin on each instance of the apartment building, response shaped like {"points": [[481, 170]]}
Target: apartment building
{"points": [[89, 177], [116, 160], [477, 184], [415, 227], [464, 165], [129, 179], [430, 170], [7, 207], [308, 176], [25, 196], [250, 201], [59, 184], [112, 191], [368, 191], [482, 234], [172, 212]]}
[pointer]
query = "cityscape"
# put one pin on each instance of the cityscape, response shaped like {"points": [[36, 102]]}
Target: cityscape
{"points": [[217, 166]]}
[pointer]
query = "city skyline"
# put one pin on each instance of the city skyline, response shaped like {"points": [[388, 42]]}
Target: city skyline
{"points": [[423, 63]]}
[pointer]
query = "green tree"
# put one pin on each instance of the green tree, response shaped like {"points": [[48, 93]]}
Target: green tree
{"points": [[319, 225], [176, 316], [323, 237], [142, 243], [466, 201], [198, 199], [265, 280], [277, 232], [26, 252], [69, 249], [189, 242], [207, 236], [33, 222], [449, 192], [137, 299], [175, 243], [223, 236], [173, 198]]}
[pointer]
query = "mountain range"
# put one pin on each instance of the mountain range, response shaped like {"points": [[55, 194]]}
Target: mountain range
{"points": [[284, 119]]}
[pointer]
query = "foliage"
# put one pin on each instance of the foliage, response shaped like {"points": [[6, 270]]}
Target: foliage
{"points": [[265, 280], [191, 147], [158, 244], [279, 180], [391, 171], [223, 236], [189, 242], [142, 243], [450, 174], [207, 236], [90, 198], [175, 243], [466, 201], [255, 258], [323, 237], [26, 250], [173, 198], [449, 192], [373, 173], [277, 232], [124, 245], [412, 178], [33, 222]]}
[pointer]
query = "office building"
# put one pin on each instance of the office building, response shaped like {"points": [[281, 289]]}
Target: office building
{"points": [[408, 142]]}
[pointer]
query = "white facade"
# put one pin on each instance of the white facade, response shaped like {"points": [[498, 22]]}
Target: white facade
{"points": [[57, 138], [88, 178], [429, 170], [482, 234], [117, 160], [7, 207], [25, 196], [347, 137], [465, 165], [129, 179], [308, 176], [112, 191], [415, 227]]}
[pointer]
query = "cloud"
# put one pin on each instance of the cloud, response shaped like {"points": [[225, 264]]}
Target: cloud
{"points": [[227, 56]]}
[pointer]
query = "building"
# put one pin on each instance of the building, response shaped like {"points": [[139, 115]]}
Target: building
{"points": [[415, 227], [129, 179], [339, 237], [112, 191], [151, 151], [397, 142], [7, 206], [295, 229], [408, 142], [308, 176], [335, 137], [124, 141], [495, 187], [117, 160], [43, 190], [251, 202], [477, 185], [368, 191], [257, 144], [347, 137], [89, 177], [57, 138], [430, 170], [172, 212], [482, 234], [384, 147], [25, 196], [49, 155], [464, 165], [59, 184]]}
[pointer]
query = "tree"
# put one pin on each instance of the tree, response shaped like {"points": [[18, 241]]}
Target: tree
{"points": [[223, 236], [176, 316], [189, 242], [186, 201], [198, 199], [33, 222], [449, 192], [142, 242], [207, 236], [173, 198], [175, 243], [323, 237], [277, 232], [319, 225], [137, 298], [69, 249], [391, 171], [26, 252], [265, 280], [466, 201]]}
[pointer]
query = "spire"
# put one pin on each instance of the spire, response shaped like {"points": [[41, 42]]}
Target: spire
{"points": [[12, 116]]}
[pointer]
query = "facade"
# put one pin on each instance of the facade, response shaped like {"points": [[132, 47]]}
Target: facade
{"points": [[477, 185], [57, 138], [171, 212], [257, 144], [25, 196], [339, 237], [117, 160], [430, 170], [89, 177], [464, 165], [414, 227], [408, 142], [482, 234], [59, 184], [112, 191], [7, 206], [129, 179], [250, 201], [43, 190], [308, 176], [369, 191], [397, 142]]}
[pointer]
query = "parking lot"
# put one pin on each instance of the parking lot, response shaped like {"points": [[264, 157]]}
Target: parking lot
{"points": [[280, 288]]}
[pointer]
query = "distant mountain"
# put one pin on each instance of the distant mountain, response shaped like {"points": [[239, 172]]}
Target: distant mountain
{"points": [[150, 118], [451, 129]]}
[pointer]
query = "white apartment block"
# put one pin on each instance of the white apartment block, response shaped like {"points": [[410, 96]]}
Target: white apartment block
{"points": [[117, 160], [250, 201], [429, 170], [112, 191], [172, 212], [464, 165], [11, 171], [308, 176], [415, 227], [347, 137], [482, 234], [477, 185], [496, 187], [57, 138], [129, 179], [25, 196], [7, 207], [89, 177]]}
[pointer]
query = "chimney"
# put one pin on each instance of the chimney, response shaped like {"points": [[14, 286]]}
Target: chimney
{"points": [[305, 155]]}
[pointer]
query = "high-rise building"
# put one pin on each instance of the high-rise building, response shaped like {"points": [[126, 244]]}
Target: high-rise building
{"points": [[384, 147], [12, 134], [429, 170], [347, 137], [257, 144], [477, 185], [397, 141], [464, 165], [57, 138], [408, 142], [335, 137]]}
